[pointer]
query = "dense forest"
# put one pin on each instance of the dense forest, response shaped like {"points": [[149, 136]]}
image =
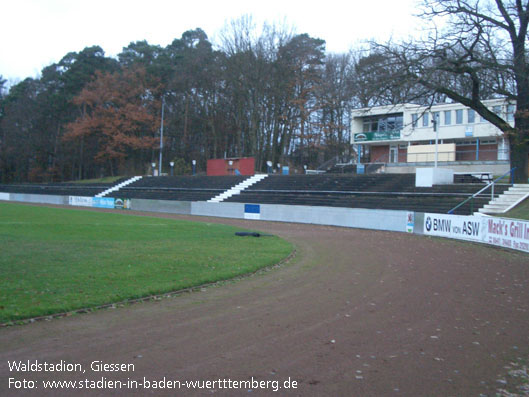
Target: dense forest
{"points": [[276, 95]]}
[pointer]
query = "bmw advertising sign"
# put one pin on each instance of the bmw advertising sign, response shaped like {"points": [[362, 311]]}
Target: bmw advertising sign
{"points": [[454, 226]]}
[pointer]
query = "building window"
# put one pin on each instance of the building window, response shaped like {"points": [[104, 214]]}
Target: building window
{"points": [[448, 117], [414, 118], [503, 150], [510, 112], [391, 122], [370, 125], [459, 116], [425, 120], [471, 116], [466, 143], [497, 110]]}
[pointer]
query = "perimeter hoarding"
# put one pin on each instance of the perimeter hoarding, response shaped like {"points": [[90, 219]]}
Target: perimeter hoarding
{"points": [[80, 201], [252, 211], [103, 202], [508, 233], [100, 202], [122, 204], [502, 232], [454, 226]]}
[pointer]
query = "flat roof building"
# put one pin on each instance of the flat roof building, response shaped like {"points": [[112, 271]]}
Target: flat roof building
{"points": [[399, 138]]}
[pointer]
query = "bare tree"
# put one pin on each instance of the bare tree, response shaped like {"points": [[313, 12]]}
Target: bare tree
{"points": [[479, 53]]}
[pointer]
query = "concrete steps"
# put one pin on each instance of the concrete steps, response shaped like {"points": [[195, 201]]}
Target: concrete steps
{"points": [[238, 188], [507, 201], [119, 186]]}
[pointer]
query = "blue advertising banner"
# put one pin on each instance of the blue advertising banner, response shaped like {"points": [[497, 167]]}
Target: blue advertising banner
{"points": [[103, 202]]}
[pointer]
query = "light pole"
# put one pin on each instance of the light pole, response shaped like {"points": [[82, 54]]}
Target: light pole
{"points": [[161, 138], [172, 166], [153, 164], [434, 122], [194, 162]]}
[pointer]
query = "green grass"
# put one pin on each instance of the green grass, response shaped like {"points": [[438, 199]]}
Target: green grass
{"points": [[54, 260], [520, 212], [107, 179]]}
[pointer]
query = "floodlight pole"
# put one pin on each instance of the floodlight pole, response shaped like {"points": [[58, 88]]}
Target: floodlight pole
{"points": [[161, 139]]}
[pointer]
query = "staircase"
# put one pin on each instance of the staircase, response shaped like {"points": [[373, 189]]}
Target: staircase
{"points": [[508, 200], [119, 186], [238, 188]]}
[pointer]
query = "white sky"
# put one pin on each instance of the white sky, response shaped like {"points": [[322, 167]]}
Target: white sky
{"points": [[37, 33]]}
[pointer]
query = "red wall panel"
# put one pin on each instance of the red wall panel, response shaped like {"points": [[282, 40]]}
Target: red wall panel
{"points": [[245, 165]]}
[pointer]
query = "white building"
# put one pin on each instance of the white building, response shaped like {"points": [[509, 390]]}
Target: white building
{"points": [[402, 137]]}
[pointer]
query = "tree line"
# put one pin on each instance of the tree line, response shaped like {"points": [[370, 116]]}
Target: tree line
{"points": [[276, 95]]}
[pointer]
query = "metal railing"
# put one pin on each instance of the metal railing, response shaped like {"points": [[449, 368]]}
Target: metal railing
{"points": [[471, 198], [459, 155], [373, 166], [446, 156], [328, 164], [333, 161]]}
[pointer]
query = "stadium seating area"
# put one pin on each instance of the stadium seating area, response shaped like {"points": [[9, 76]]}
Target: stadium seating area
{"points": [[380, 191], [384, 191], [180, 188], [58, 189]]}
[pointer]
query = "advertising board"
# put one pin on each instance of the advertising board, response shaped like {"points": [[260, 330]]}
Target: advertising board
{"points": [[410, 222], [103, 202], [252, 211], [121, 203], [377, 136], [80, 201], [508, 233], [454, 226], [502, 232]]}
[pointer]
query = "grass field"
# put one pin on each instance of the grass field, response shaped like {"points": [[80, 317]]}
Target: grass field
{"points": [[520, 212], [107, 179], [54, 260]]}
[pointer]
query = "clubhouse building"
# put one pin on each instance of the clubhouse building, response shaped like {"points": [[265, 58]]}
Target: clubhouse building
{"points": [[399, 138]]}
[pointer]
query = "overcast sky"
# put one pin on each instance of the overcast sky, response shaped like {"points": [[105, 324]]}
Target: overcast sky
{"points": [[37, 33]]}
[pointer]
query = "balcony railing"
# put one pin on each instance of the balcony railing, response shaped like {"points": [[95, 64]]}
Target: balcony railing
{"points": [[442, 156]]}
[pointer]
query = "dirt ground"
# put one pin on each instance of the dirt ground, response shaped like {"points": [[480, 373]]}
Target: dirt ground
{"points": [[355, 313]]}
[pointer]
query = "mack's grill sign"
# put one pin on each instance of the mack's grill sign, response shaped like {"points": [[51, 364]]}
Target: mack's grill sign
{"points": [[508, 233], [462, 227]]}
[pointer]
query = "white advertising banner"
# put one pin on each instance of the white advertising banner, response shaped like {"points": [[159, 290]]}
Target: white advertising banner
{"points": [[508, 233], [502, 232], [80, 201], [4, 196], [454, 226]]}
